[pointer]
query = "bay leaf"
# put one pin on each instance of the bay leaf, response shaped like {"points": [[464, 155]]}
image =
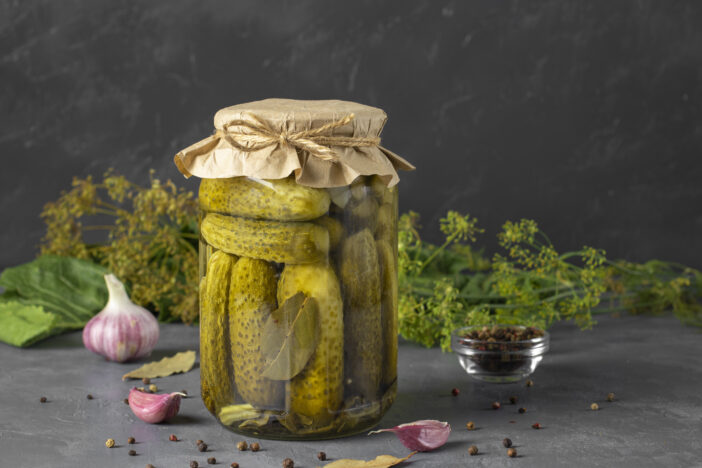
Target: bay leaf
{"points": [[289, 337], [257, 423], [297, 423], [381, 461], [178, 363]]}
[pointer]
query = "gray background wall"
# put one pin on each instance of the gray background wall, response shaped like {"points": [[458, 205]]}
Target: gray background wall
{"points": [[583, 115]]}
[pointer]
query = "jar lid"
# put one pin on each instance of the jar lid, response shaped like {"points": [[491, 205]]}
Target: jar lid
{"points": [[326, 143]]}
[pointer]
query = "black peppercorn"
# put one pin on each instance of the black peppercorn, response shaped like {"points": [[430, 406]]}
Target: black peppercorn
{"points": [[202, 447], [288, 463], [193, 464], [146, 381], [212, 460], [255, 447], [126, 401], [42, 399], [495, 405], [242, 445], [132, 453], [512, 453], [131, 440], [89, 397], [513, 400], [321, 456], [507, 443], [522, 410], [473, 450]]}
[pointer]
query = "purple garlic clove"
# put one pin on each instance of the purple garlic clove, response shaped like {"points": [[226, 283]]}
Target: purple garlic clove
{"points": [[154, 408], [423, 436]]}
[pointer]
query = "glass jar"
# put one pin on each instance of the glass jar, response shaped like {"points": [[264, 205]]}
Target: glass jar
{"points": [[298, 305]]}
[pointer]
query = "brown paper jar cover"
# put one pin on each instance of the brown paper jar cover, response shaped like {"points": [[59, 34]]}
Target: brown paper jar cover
{"points": [[263, 140]]}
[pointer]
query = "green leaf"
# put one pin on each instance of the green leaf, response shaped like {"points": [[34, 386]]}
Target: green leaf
{"points": [[71, 287], [22, 325], [56, 294], [289, 337]]}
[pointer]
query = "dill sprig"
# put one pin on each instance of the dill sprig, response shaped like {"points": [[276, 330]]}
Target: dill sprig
{"points": [[151, 235], [452, 285], [149, 241]]}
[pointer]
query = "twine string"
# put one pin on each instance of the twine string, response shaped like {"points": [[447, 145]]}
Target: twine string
{"points": [[260, 134]]}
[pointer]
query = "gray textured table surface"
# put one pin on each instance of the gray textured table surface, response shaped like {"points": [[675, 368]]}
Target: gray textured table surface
{"points": [[652, 364]]}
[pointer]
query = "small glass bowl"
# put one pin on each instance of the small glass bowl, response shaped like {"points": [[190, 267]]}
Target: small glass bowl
{"points": [[498, 361]]}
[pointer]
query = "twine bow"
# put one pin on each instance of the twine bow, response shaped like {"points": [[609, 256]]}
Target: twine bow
{"points": [[260, 134]]}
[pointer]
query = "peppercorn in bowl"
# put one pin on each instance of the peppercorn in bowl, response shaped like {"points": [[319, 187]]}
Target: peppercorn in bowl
{"points": [[499, 353]]}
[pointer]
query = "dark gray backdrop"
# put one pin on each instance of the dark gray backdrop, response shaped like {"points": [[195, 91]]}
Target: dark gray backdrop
{"points": [[583, 115]]}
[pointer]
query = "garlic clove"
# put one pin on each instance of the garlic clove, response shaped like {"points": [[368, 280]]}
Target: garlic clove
{"points": [[423, 436], [154, 408], [339, 195], [122, 330]]}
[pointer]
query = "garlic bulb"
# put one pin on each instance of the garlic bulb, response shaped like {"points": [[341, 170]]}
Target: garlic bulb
{"points": [[154, 408], [122, 330]]}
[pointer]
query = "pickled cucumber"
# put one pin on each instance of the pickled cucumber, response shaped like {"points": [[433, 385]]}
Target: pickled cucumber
{"points": [[205, 383], [340, 196], [251, 300], [378, 187], [363, 214], [275, 241], [317, 392], [387, 220], [335, 228], [214, 344], [282, 199], [363, 331], [384, 194], [388, 310]]}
